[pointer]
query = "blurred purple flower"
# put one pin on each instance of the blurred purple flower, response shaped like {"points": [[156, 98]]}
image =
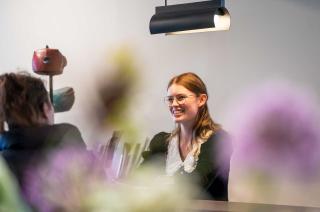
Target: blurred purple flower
{"points": [[63, 182], [72, 181], [276, 129]]}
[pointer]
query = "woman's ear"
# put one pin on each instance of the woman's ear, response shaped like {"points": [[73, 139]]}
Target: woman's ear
{"points": [[202, 99]]}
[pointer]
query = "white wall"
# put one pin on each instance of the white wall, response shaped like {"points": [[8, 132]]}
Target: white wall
{"points": [[268, 40]]}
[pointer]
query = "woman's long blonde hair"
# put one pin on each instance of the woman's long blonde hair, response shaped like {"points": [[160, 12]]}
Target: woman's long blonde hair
{"points": [[204, 125]]}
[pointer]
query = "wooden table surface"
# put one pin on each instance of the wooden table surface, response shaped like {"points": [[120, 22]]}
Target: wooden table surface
{"points": [[207, 205]]}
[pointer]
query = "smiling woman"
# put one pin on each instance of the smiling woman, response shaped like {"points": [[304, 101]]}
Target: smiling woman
{"points": [[198, 148]]}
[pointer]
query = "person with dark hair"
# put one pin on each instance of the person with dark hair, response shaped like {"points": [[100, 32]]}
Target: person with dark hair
{"points": [[198, 148], [28, 132]]}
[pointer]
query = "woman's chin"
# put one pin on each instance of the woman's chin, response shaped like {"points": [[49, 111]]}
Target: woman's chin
{"points": [[177, 120]]}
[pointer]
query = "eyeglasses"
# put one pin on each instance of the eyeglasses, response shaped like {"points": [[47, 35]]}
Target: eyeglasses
{"points": [[180, 99]]}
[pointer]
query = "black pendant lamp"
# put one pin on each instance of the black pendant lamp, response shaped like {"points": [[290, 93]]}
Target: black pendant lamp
{"points": [[190, 18]]}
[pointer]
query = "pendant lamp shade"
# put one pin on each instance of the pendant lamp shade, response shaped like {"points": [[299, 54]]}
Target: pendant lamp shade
{"points": [[190, 18]]}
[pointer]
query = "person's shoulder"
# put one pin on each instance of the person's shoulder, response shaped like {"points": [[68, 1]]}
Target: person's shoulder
{"points": [[157, 147], [65, 127], [218, 139], [159, 142], [70, 133], [221, 141], [161, 135], [221, 135]]}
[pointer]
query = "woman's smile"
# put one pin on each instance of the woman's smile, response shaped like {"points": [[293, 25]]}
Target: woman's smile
{"points": [[177, 112]]}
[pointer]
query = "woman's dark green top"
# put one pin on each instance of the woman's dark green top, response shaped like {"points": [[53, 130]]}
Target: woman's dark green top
{"points": [[213, 165]]}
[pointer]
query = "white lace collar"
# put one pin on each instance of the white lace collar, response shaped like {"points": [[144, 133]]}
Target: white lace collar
{"points": [[174, 162]]}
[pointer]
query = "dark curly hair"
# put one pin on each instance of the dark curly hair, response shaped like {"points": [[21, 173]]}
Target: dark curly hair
{"points": [[21, 99]]}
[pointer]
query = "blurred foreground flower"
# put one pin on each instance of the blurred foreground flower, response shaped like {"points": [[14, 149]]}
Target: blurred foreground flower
{"points": [[276, 137], [73, 181], [10, 199], [116, 90], [62, 183], [276, 128]]}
